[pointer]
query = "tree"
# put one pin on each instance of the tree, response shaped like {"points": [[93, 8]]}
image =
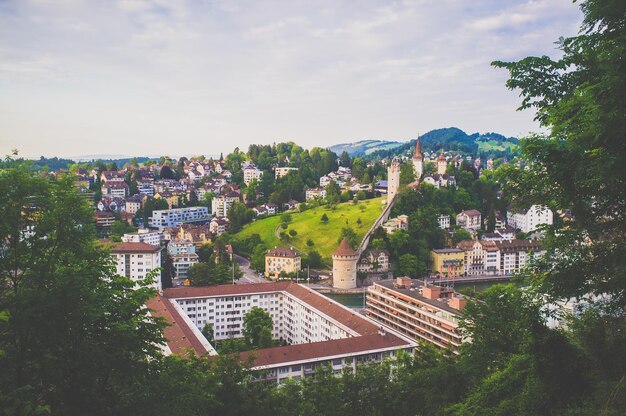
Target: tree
{"points": [[580, 99], [293, 233], [70, 324], [239, 215], [208, 332], [257, 261], [408, 265], [460, 235], [315, 259], [257, 323], [361, 195], [333, 193], [349, 234], [119, 228], [310, 243], [324, 218], [286, 218]]}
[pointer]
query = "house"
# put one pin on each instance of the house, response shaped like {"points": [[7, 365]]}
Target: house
{"points": [[480, 257], [469, 220], [112, 176], [315, 193], [137, 260], [374, 261], [281, 260], [104, 218], [271, 208], [515, 254], [146, 187], [181, 263], [292, 204], [444, 221], [528, 220], [440, 180], [143, 235], [133, 204], [220, 205], [219, 225], [173, 217], [111, 203], [260, 211], [401, 222], [280, 172], [251, 173], [115, 188], [199, 235], [448, 262]]}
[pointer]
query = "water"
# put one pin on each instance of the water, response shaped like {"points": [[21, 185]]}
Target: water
{"points": [[354, 300]]}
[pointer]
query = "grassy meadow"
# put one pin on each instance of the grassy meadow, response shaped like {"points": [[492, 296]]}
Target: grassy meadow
{"points": [[308, 224]]}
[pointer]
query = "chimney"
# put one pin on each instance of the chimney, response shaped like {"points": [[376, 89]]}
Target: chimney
{"points": [[431, 292], [457, 302], [404, 282]]}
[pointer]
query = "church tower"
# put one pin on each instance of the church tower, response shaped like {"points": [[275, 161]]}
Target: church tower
{"points": [[441, 163], [418, 160], [344, 266], [393, 180]]}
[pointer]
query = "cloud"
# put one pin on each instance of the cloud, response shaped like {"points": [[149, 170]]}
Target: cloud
{"points": [[187, 76]]}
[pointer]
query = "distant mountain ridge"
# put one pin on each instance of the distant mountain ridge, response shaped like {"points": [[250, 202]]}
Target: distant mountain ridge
{"points": [[450, 139]]}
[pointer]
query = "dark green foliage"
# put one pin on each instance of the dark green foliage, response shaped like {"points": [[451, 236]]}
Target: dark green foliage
{"points": [[257, 328]]}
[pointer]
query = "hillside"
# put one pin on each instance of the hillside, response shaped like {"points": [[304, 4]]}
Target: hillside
{"points": [[363, 147], [450, 138], [309, 226]]}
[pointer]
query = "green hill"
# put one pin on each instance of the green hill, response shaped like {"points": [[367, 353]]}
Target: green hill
{"points": [[309, 226]]}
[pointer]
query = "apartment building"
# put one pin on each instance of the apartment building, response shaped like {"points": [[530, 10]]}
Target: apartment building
{"points": [[143, 235], [174, 217], [137, 260], [282, 260], [316, 329], [423, 312], [220, 205], [528, 220]]}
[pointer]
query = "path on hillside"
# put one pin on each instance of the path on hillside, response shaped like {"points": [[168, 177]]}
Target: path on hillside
{"points": [[384, 216]]}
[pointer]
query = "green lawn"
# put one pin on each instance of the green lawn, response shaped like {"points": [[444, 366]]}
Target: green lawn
{"points": [[309, 226], [485, 146]]}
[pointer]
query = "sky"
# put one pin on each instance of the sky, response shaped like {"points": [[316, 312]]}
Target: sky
{"points": [[176, 77]]}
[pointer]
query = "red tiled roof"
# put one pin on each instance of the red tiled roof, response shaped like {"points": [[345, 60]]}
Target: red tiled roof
{"points": [[345, 249], [180, 338], [291, 353], [470, 212], [135, 248], [282, 252]]}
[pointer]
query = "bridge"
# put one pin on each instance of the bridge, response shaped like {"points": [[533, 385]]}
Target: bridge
{"points": [[468, 279]]}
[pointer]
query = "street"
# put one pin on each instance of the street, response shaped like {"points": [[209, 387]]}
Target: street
{"points": [[249, 275]]}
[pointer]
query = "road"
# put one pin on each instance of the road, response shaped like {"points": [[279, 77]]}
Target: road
{"points": [[249, 275]]}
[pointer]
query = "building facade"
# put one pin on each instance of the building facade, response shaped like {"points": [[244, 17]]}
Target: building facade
{"points": [[527, 221], [345, 266], [174, 217], [282, 260], [424, 312], [137, 260]]}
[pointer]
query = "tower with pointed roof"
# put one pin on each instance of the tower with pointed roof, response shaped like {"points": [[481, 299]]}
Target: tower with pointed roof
{"points": [[393, 180], [442, 164], [344, 266], [418, 160]]}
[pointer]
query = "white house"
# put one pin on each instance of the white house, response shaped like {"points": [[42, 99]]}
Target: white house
{"points": [[251, 173], [137, 260], [444, 221], [469, 219], [143, 235], [528, 221], [220, 205], [174, 217]]}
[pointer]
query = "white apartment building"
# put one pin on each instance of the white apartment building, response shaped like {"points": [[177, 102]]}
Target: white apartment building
{"points": [[280, 172], [180, 246], [251, 173], [143, 235], [220, 205], [132, 204], [313, 193], [300, 317], [528, 221], [137, 260], [444, 221], [146, 187], [165, 218], [115, 189], [181, 264]]}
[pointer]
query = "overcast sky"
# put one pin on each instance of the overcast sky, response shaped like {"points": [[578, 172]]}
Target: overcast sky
{"points": [[201, 77]]}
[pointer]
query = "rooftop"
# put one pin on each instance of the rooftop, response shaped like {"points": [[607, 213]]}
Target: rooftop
{"points": [[344, 249], [135, 248], [282, 252], [415, 294]]}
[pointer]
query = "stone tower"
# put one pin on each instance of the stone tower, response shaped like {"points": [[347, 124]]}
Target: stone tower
{"points": [[441, 163], [393, 180], [344, 266], [418, 160]]}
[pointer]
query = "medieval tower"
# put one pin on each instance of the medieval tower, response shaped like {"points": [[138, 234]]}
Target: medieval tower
{"points": [[418, 160], [344, 266], [441, 163], [393, 180]]}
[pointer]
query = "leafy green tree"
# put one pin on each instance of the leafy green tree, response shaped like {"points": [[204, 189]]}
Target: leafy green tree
{"points": [[257, 323], [324, 218], [580, 100], [293, 233], [349, 234], [239, 215], [315, 259], [333, 193], [70, 324], [208, 331], [361, 195], [119, 228], [460, 235], [257, 261], [408, 265]]}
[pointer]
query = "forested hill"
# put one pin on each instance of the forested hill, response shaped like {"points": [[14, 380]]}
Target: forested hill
{"points": [[451, 138]]}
